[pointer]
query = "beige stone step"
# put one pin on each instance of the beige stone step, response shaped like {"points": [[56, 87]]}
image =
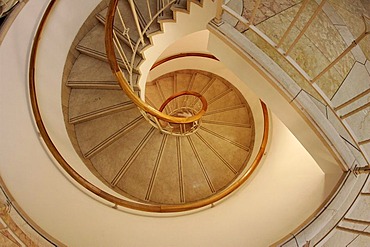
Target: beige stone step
{"points": [[137, 181], [233, 155], [152, 96], [93, 44], [184, 80], [229, 115], [95, 103], [196, 183], [87, 69], [224, 99], [219, 170], [168, 186], [99, 131], [238, 136], [117, 157]]}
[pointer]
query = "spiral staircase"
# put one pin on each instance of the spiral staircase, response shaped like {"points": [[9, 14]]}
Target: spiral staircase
{"points": [[190, 144]]}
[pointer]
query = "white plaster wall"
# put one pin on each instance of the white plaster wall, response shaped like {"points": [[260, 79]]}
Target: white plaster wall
{"points": [[273, 203]]}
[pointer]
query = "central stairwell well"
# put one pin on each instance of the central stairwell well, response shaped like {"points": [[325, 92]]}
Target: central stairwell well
{"points": [[197, 148]]}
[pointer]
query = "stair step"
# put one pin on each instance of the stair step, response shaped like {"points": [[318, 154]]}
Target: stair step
{"points": [[88, 69], [229, 115], [227, 123], [196, 183], [167, 14], [105, 85], [232, 154], [219, 170], [168, 186], [153, 96], [102, 112], [138, 178], [90, 134], [93, 44], [121, 33], [239, 136], [110, 161], [112, 138], [85, 101]]}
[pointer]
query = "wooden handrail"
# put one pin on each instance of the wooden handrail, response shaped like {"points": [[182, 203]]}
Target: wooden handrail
{"points": [[109, 44]]}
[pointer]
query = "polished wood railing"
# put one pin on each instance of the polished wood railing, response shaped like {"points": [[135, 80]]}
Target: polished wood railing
{"points": [[112, 43]]}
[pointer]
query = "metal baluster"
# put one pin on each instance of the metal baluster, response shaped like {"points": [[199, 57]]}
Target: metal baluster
{"points": [[125, 32], [303, 6], [318, 9], [348, 49], [136, 19]]}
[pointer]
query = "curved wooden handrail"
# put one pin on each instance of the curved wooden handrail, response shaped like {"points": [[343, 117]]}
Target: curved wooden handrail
{"points": [[117, 201], [182, 55], [112, 60], [185, 93]]}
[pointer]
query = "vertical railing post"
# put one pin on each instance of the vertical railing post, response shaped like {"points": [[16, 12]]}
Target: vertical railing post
{"points": [[303, 6], [219, 11], [348, 49], [136, 18], [318, 9]]}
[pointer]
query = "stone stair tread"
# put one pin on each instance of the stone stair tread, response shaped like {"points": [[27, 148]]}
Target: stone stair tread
{"points": [[217, 87], [83, 101], [130, 40], [137, 178], [230, 99], [219, 173], [167, 186], [91, 133], [144, 13], [200, 82], [127, 15], [93, 44], [109, 161], [234, 155], [89, 69], [195, 184], [236, 134], [152, 95], [180, 4], [166, 86], [182, 80], [239, 115]]}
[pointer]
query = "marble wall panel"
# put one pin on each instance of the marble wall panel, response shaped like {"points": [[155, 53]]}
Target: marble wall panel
{"points": [[267, 9], [273, 54], [351, 11], [340, 238], [320, 45], [360, 210]]}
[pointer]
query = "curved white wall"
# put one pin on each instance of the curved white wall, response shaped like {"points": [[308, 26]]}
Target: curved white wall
{"points": [[70, 214]]}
